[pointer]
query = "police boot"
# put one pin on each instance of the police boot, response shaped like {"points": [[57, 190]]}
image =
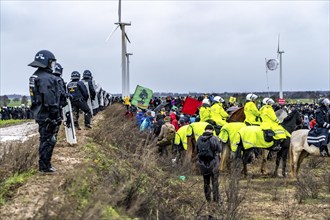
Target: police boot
{"points": [[323, 152]]}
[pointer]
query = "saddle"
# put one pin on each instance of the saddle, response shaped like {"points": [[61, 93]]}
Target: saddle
{"points": [[316, 137]]}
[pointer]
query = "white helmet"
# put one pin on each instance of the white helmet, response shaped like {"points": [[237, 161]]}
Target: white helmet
{"points": [[324, 101], [251, 97], [218, 99], [206, 101], [268, 101]]}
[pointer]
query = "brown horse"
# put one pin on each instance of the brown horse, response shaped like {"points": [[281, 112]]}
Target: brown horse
{"points": [[237, 116]]}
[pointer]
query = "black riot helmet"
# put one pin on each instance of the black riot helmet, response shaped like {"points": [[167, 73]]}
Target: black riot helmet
{"points": [[87, 74], [43, 59], [75, 75], [58, 69]]}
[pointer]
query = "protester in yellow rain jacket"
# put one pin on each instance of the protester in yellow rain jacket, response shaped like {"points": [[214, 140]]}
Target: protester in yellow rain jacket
{"points": [[181, 137], [269, 119], [252, 114], [218, 114], [205, 110], [127, 102]]}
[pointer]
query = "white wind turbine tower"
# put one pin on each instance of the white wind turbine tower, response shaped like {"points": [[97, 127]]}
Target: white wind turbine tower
{"points": [[125, 77], [279, 53]]}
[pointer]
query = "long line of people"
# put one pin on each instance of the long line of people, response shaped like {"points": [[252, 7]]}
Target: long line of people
{"points": [[50, 94], [20, 112]]}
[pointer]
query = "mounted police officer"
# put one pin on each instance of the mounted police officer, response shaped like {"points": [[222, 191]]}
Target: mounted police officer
{"points": [[79, 96], [252, 114], [45, 102], [323, 124]]}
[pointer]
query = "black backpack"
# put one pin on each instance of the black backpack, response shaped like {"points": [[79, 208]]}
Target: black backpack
{"points": [[205, 152]]}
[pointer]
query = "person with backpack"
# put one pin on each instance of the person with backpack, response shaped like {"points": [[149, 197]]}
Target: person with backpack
{"points": [[208, 151], [166, 136]]}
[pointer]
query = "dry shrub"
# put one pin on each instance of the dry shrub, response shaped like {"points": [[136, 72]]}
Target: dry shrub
{"points": [[18, 157], [326, 180], [307, 187], [234, 198], [315, 162]]}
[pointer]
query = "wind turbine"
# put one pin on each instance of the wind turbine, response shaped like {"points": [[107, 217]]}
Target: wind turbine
{"points": [[279, 53], [125, 77]]}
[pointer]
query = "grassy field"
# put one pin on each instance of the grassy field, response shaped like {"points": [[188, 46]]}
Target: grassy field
{"points": [[16, 103], [6, 123]]}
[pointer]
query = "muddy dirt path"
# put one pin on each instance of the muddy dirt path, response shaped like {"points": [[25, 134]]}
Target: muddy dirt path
{"points": [[33, 194], [20, 132]]}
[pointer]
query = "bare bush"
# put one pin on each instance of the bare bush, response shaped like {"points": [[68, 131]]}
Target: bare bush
{"points": [[234, 196], [18, 157], [326, 180], [315, 162], [307, 187]]}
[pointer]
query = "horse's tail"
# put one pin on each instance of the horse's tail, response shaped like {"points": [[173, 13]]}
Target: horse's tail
{"points": [[291, 159]]}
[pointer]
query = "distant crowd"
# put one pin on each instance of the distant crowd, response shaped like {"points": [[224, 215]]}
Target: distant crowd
{"points": [[17, 113]]}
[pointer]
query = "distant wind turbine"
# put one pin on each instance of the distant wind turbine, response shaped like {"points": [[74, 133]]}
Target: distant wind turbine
{"points": [[125, 77]]}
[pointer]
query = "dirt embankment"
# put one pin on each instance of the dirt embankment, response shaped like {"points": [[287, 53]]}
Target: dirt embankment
{"points": [[30, 197]]}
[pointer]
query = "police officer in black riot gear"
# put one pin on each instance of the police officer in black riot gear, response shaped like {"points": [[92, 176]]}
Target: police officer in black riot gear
{"points": [[79, 96], [87, 77], [58, 71], [323, 124], [45, 101]]}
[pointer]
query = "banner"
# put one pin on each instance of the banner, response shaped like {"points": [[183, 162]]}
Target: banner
{"points": [[142, 97], [272, 64], [232, 100], [190, 106]]}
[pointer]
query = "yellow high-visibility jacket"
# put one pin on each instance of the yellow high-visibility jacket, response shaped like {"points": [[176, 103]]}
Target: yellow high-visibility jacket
{"points": [[218, 114], [181, 136], [251, 113], [269, 119], [205, 113], [198, 128]]}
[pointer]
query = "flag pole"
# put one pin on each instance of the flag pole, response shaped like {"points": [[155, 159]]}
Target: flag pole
{"points": [[267, 77]]}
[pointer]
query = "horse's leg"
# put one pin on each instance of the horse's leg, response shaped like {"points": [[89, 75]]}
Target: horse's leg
{"points": [[300, 160], [264, 160], [277, 162], [238, 156], [294, 156], [245, 158], [284, 156], [224, 156]]}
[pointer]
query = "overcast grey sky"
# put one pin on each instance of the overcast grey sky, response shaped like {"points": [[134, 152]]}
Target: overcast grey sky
{"points": [[178, 46]]}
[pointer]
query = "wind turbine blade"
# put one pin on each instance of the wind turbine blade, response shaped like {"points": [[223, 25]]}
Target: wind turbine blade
{"points": [[119, 11], [127, 38], [113, 31]]}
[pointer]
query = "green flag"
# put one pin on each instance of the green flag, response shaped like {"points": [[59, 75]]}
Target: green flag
{"points": [[142, 97]]}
